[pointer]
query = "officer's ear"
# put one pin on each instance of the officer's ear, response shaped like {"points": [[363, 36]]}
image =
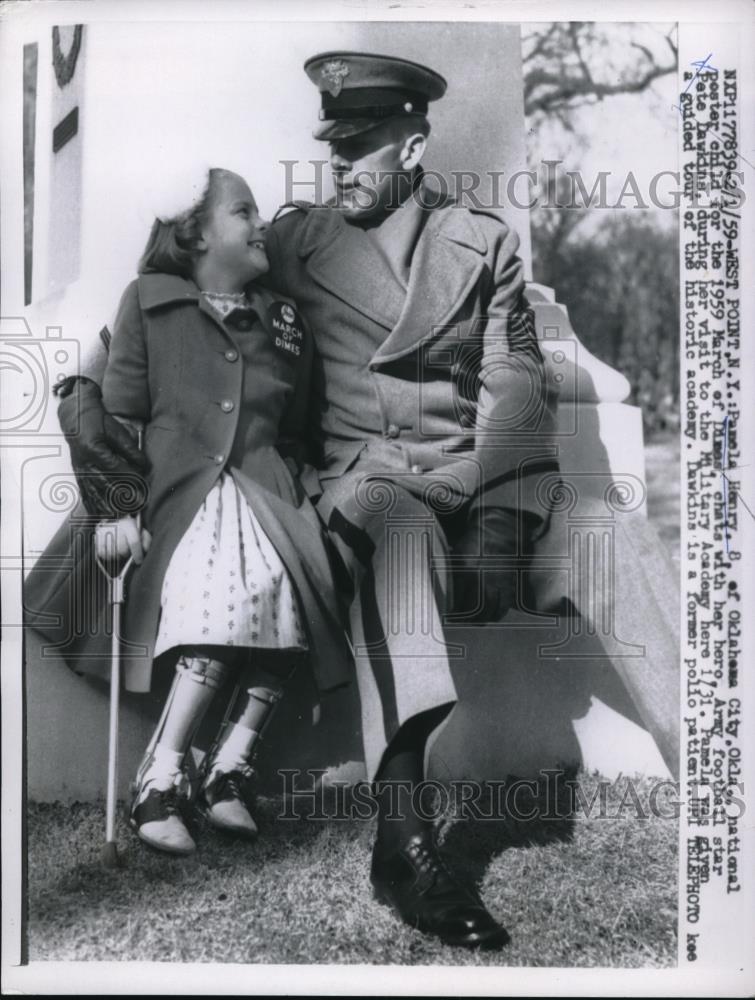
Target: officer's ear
{"points": [[413, 150]]}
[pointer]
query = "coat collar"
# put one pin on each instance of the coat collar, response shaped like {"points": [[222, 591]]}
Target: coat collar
{"points": [[157, 289], [445, 265]]}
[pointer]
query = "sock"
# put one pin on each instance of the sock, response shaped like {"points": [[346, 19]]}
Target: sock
{"points": [[397, 820], [404, 762], [234, 749], [163, 769], [244, 728]]}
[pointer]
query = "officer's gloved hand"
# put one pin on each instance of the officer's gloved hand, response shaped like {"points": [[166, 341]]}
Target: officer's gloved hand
{"points": [[106, 460], [485, 595]]}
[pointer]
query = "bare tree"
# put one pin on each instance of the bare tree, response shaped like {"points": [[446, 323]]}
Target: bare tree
{"points": [[619, 278], [552, 227], [571, 64]]}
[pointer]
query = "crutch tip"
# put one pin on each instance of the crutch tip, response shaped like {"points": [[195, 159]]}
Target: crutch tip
{"points": [[110, 858]]}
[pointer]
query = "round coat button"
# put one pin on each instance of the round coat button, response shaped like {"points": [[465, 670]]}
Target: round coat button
{"points": [[244, 324], [393, 431], [218, 459], [231, 355], [227, 405], [416, 469]]}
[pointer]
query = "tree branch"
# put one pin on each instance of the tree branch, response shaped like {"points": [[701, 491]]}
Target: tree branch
{"points": [[560, 74]]}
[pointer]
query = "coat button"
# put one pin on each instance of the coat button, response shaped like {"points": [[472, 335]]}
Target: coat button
{"points": [[244, 324], [417, 469], [218, 459], [227, 405], [231, 355], [393, 431]]}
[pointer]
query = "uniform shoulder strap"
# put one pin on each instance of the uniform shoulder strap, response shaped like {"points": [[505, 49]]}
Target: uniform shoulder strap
{"points": [[292, 206]]}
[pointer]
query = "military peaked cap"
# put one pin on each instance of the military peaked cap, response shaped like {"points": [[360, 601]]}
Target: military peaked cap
{"points": [[359, 90]]}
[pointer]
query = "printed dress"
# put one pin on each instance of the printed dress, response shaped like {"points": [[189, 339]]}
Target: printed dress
{"points": [[225, 584]]}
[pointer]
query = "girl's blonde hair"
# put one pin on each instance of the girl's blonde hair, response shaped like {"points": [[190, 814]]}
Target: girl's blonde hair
{"points": [[173, 244]]}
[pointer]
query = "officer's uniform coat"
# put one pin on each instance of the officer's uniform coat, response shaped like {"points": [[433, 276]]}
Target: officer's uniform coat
{"points": [[213, 396], [431, 399]]}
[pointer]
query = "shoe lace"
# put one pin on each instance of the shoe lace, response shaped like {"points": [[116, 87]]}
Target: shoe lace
{"points": [[170, 804], [237, 784], [429, 864], [170, 800], [432, 870]]}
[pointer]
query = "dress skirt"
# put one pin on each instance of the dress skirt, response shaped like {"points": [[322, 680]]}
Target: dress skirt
{"points": [[225, 584]]}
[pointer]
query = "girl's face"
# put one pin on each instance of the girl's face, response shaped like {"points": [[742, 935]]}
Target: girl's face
{"points": [[233, 234]]}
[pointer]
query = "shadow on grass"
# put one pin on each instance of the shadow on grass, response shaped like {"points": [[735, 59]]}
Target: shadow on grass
{"points": [[512, 814], [574, 885]]}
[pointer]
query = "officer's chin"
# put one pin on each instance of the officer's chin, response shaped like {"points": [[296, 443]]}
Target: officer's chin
{"points": [[359, 205]]}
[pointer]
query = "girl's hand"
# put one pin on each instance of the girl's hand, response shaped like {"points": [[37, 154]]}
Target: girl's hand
{"points": [[122, 539]]}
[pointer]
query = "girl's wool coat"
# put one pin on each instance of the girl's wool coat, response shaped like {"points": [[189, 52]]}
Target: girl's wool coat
{"points": [[212, 395]]}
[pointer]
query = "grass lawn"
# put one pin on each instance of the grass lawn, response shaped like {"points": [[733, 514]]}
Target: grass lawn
{"points": [[583, 892]]}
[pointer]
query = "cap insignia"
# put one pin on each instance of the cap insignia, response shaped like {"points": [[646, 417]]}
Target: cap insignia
{"points": [[333, 73]]}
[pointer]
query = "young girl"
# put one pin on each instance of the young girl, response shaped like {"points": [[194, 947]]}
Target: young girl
{"points": [[232, 574]]}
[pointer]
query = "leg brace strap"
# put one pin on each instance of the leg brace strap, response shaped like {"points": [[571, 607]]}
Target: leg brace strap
{"points": [[202, 669]]}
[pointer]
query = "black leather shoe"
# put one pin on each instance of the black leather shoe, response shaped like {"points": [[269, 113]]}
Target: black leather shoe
{"points": [[416, 883]]}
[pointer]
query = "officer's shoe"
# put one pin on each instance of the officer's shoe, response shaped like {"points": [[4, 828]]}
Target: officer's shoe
{"points": [[416, 883], [227, 799], [156, 817]]}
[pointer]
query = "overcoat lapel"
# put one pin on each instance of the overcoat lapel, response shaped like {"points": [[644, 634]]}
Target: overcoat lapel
{"points": [[445, 267], [337, 260]]}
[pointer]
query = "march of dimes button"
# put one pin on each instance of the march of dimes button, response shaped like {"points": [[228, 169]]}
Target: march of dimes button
{"points": [[287, 327]]}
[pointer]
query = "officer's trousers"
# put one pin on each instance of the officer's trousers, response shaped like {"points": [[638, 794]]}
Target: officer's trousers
{"points": [[391, 551]]}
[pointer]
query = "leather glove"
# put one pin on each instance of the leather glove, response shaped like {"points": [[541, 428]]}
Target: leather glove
{"points": [[485, 595], [106, 460]]}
